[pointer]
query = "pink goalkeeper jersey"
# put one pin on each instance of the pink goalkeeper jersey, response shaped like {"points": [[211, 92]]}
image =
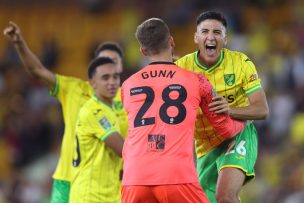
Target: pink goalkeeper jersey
{"points": [[162, 102]]}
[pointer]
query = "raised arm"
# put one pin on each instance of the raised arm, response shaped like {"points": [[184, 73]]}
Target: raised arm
{"points": [[30, 61]]}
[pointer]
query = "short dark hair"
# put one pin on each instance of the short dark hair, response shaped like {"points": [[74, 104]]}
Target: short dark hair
{"points": [[109, 45], [211, 15], [98, 62], [153, 35]]}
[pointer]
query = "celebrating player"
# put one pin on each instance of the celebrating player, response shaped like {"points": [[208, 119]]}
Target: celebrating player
{"points": [[162, 101], [225, 165], [72, 94]]}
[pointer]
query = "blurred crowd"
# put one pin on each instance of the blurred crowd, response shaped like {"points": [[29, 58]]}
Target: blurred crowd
{"points": [[270, 32]]}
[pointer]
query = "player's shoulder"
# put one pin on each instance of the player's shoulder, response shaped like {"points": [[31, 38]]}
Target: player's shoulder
{"points": [[189, 77], [126, 83], [72, 81], [201, 78], [235, 54], [87, 108], [186, 72], [92, 106], [187, 57], [69, 78], [135, 78]]}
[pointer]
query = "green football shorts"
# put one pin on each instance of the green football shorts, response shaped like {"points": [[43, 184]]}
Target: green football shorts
{"points": [[60, 191], [238, 152]]}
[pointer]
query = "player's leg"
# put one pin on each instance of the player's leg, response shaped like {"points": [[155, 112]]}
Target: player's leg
{"points": [[137, 194], [229, 185], [181, 193], [236, 165], [60, 191], [208, 172]]}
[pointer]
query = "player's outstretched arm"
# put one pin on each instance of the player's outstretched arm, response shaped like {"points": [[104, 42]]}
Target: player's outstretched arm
{"points": [[224, 124], [256, 110], [30, 61], [115, 142]]}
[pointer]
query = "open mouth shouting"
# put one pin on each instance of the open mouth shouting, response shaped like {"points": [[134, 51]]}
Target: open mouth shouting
{"points": [[210, 50]]}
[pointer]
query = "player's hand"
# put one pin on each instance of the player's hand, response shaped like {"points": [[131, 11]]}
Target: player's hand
{"points": [[219, 105], [12, 32]]}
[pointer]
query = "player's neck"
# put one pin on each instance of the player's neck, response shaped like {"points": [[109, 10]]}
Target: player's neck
{"points": [[164, 57], [208, 63], [105, 100]]}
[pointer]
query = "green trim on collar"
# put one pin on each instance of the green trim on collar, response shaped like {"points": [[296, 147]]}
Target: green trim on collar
{"points": [[205, 68], [100, 101]]}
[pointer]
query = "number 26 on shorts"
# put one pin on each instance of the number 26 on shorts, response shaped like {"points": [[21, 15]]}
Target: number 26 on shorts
{"points": [[240, 148]]}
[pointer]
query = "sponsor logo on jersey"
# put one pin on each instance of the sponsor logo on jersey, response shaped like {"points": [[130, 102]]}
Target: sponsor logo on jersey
{"points": [[156, 143], [253, 77]]}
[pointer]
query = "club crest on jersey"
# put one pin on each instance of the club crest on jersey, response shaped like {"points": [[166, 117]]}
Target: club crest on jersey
{"points": [[105, 123], [229, 79], [117, 105]]}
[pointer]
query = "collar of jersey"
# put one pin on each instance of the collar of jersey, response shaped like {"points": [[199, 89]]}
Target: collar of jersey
{"points": [[99, 101], [161, 62], [205, 68]]}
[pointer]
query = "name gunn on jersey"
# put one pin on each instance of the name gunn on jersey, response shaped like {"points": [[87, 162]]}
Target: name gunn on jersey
{"points": [[158, 73]]}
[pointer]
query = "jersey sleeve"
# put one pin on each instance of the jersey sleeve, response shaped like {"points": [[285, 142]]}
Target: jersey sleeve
{"points": [[180, 62], [65, 85], [251, 81], [104, 128], [223, 124]]}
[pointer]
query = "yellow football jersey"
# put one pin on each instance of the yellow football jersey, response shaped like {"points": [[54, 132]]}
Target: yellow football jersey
{"points": [[97, 167], [234, 76], [72, 94]]}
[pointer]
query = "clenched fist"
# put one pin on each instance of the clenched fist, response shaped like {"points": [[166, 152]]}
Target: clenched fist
{"points": [[12, 32]]}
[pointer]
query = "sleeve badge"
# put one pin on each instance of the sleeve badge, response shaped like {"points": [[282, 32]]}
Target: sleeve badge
{"points": [[105, 123]]}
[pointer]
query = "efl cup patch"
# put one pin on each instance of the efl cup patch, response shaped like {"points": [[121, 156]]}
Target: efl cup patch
{"points": [[105, 123]]}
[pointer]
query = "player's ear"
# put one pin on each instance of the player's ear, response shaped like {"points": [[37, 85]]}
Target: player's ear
{"points": [[172, 42], [143, 51], [92, 83], [225, 39], [195, 38]]}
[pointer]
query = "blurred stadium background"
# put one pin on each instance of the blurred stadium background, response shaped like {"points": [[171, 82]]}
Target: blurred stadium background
{"points": [[64, 34]]}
